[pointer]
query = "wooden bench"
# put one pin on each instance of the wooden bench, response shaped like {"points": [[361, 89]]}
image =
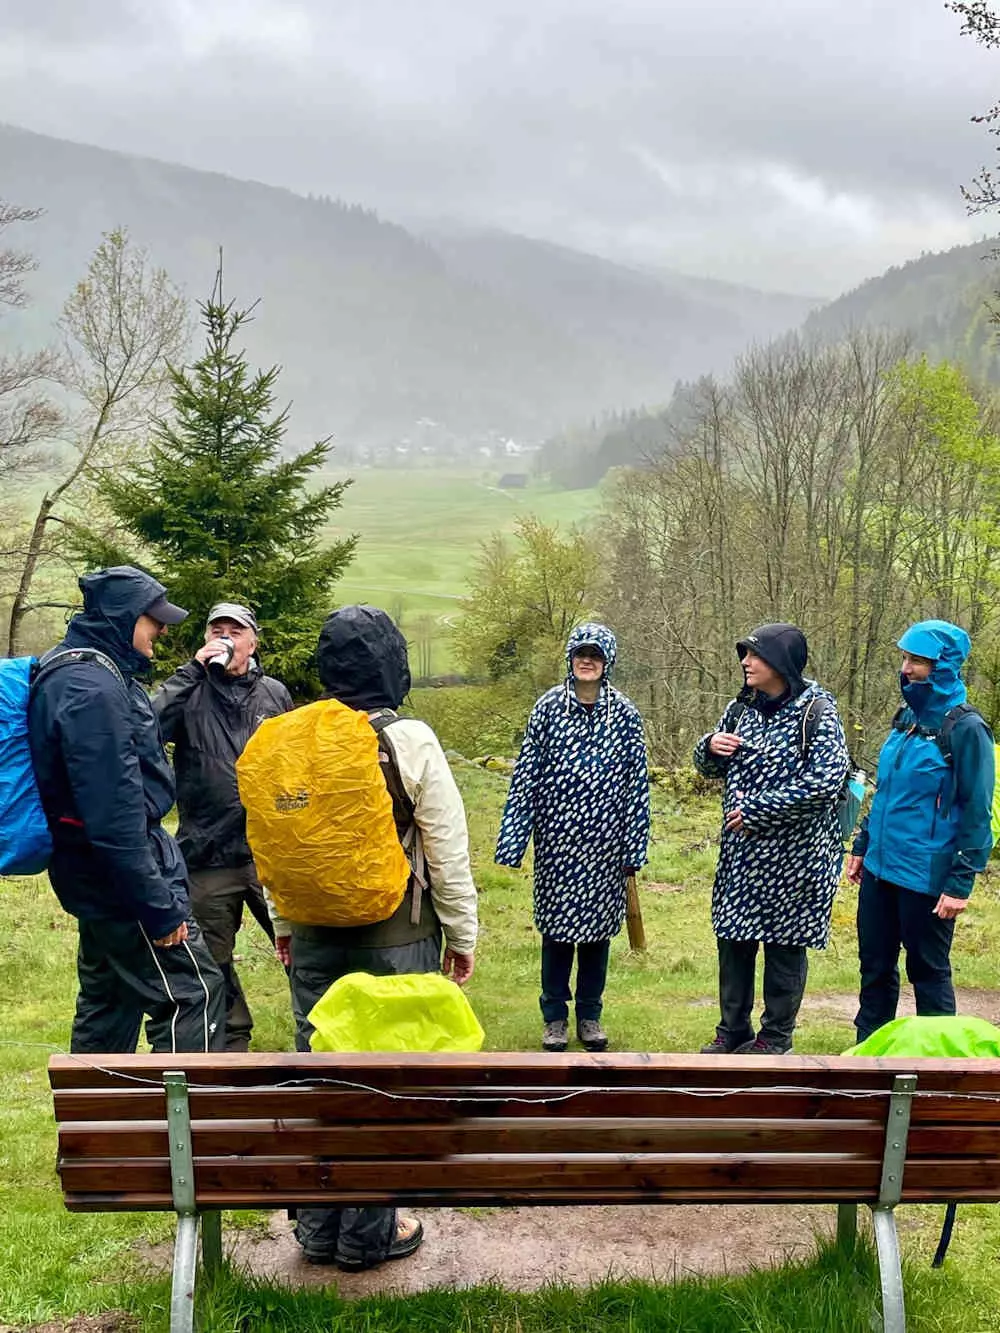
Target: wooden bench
{"points": [[194, 1134]]}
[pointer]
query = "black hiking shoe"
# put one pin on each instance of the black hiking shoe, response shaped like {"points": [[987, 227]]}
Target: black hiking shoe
{"points": [[409, 1237], [763, 1046], [720, 1045]]}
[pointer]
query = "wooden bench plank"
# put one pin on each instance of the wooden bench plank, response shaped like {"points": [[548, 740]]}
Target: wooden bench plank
{"points": [[551, 1072], [569, 1135], [645, 1173], [126, 1103]]}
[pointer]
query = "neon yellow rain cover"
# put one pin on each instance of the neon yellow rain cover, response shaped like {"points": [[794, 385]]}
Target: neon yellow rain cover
{"points": [[419, 1012], [319, 817]]}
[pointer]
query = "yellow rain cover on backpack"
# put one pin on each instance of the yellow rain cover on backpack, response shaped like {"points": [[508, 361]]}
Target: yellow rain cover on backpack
{"points": [[319, 817], [418, 1011]]}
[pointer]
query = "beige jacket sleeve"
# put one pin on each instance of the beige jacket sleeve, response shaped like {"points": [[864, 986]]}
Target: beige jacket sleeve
{"points": [[281, 926], [440, 816]]}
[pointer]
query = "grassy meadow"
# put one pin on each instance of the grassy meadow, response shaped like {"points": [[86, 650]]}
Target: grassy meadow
{"points": [[419, 534], [54, 1264]]}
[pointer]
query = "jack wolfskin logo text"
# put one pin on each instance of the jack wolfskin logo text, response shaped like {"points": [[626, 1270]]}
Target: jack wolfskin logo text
{"points": [[288, 801]]}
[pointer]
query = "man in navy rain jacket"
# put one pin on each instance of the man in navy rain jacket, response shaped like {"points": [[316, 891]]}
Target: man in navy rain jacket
{"points": [[105, 786], [927, 834]]}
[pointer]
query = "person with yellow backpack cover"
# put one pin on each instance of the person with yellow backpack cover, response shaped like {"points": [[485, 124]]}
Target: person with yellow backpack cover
{"points": [[358, 831]]}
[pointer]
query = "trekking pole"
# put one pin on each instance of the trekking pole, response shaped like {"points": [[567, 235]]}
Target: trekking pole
{"points": [[633, 917]]}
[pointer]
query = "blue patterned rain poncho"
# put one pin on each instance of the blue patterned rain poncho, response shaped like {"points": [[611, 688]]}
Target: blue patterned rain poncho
{"points": [[581, 787], [775, 882]]}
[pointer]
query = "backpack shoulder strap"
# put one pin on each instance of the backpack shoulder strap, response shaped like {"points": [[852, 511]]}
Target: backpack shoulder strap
{"points": [[402, 808], [948, 724], [52, 660], [734, 715], [813, 713]]}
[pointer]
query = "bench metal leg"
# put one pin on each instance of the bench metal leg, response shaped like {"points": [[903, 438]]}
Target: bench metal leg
{"points": [[211, 1241], [185, 1266], [890, 1271], [847, 1226]]}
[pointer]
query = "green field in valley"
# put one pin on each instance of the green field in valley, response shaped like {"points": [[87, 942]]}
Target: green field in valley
{"points": [[419, 533]]}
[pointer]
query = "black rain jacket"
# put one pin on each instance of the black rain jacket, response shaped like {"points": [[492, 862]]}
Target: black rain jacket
{"points": [[101, 769], [210, 716]]}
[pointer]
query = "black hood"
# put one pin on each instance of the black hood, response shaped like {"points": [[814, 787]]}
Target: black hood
{"points": [[782, 647], [113, 600], [362, 658]]}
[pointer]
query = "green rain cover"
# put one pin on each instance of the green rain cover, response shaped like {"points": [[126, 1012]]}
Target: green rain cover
{"points": [[933, 1038], [415, 1012]]}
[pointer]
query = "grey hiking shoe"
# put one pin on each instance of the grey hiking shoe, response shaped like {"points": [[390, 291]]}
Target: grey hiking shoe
{"points": [[591, 1035], [555, 1036]]}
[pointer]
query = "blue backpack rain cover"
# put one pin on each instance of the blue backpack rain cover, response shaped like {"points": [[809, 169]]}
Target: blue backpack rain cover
{"points": [[25, 844]]}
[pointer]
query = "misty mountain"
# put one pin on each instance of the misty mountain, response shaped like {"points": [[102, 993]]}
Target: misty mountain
{"points": [[941, 300], [444, 339]]}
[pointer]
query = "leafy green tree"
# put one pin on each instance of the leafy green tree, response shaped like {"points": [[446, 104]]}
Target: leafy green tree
{"points": [[217, 513], [524, 598]]}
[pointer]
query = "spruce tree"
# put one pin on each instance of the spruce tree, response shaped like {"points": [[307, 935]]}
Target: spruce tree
{"points": [[218, 514]]}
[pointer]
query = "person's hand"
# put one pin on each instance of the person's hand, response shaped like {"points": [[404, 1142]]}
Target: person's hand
{"points": [[283, 949], [853, 868], [213, 651], [724, 744], [734, 821], [177, 936], [458, 966], [947, 907]]}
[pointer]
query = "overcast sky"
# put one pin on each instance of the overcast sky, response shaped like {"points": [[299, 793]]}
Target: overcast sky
{"points": [[799, 145]]}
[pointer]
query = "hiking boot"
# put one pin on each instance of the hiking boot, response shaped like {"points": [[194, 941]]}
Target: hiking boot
{"points": [[409, 1237], [555, 1035], [720, 1045], [591, 1035], [763, 1046]]}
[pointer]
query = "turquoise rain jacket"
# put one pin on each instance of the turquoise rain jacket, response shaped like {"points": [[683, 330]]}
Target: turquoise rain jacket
{"points": [[929, 825]]}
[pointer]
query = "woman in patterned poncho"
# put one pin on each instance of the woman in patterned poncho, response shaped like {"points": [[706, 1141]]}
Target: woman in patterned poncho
{"points": [[781, 849], [581, 787]]}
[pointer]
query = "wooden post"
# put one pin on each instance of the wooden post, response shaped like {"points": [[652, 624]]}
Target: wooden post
{"points": [[633, 917]]}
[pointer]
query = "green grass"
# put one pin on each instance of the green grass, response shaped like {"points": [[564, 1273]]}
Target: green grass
{"points": [[419, 534], [54, 1264]]}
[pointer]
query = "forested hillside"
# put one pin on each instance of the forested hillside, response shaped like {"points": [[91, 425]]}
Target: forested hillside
{"points": [[385, 336], [942, 301]]}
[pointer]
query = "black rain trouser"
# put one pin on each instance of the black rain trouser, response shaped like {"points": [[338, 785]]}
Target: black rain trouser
{"points": [[218, 896], [785, 969], [361, 1234], [124, 975]]}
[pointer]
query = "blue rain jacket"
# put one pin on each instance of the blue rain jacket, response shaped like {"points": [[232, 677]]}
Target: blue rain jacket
{"points": [[929, 825]]}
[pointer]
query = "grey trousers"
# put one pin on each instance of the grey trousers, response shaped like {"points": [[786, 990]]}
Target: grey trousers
{"points": [[124, 975], [319, 959], [218, 896]]}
